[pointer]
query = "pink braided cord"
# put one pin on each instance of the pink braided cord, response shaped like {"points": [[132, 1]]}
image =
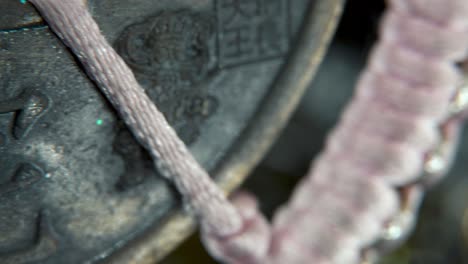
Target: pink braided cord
{"points": [[382, 139], [74, 25], [397, 122]]}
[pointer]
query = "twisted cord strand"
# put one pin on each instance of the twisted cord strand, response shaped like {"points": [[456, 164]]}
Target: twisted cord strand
{"points": [[72, 22], [350, 195]]}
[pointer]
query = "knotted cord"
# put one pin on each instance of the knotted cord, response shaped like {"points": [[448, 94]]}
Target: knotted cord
{"points": [[397, 136]]}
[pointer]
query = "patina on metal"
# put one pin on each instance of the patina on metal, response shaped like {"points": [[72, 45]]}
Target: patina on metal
{"points": [[74, 185]]}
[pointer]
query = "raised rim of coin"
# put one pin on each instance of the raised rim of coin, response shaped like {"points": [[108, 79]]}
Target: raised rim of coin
{"points": [[272, 115]]}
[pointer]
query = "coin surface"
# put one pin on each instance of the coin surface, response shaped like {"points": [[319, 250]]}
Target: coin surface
{"points": [[75, 187]]}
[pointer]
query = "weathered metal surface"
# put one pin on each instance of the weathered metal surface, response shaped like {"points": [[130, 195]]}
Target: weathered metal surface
{"points": [[74, 185]]}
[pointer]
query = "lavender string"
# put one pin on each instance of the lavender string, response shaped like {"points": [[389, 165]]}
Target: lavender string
{"points": [[362, 191]]}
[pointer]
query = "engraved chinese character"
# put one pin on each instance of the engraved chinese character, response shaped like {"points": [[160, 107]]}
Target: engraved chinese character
{"points": [[238, 41], [239, 10], [251, 30]]}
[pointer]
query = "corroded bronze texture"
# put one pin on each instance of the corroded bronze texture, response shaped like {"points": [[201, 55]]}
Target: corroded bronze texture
{"points": [[75, 186]]}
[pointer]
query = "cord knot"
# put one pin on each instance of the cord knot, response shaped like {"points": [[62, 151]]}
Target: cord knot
{"points": [[250, 244]]}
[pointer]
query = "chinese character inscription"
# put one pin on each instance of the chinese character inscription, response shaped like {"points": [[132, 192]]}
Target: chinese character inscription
{"points": [[251, 30]]}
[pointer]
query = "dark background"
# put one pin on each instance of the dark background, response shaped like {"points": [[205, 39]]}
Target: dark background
{"points": [[441, 234]]}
